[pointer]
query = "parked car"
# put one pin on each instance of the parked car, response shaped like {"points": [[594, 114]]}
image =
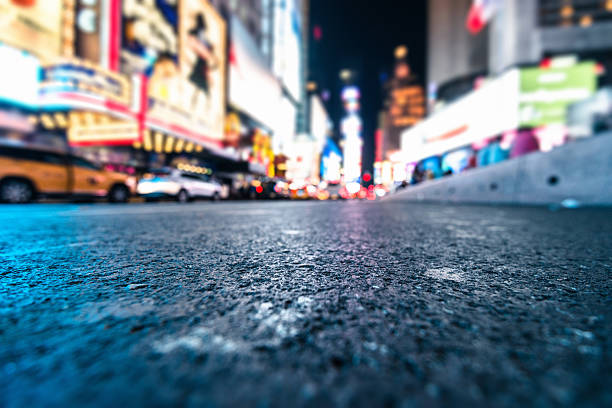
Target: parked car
{"points": [[28, 173], [180, 185]]}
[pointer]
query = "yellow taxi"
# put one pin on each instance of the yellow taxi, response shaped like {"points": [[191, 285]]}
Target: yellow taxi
{"points": [[27, 174]]}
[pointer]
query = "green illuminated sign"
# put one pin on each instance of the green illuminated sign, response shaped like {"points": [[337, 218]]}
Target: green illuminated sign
{"points": [[546, 92]]}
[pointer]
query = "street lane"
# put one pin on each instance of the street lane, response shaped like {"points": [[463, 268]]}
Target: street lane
{"points": [[304, 303]]}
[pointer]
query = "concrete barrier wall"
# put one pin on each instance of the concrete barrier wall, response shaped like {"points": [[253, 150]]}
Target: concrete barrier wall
{"points": [[581, 171]]}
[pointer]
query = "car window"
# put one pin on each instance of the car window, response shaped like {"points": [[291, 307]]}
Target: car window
{"points": [[77, 161], [32, 154], [52, 158], [19, 153], [191, 176]]}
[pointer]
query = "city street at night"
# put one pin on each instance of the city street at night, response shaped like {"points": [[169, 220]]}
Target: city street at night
{"points": [[287, 303]]}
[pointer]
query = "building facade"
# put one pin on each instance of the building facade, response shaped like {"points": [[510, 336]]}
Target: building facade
{"points": [[520, 32]]}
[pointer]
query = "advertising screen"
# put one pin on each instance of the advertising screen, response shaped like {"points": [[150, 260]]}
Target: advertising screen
{"points": [[180, 47], [486, 112], [19, 77], [287, 45], [331, 162], [545, 93], [284, 131], [148, 34], [33, 25], [319, 121], [74, 83], [253, 89], [202, 63]]}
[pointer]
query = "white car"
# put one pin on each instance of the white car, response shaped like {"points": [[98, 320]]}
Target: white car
{"points": [[178, 184]]}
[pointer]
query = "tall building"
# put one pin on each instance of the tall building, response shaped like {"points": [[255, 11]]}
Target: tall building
{"points": [[520, 32], [452, 52], [256, 17], [404, 103]]}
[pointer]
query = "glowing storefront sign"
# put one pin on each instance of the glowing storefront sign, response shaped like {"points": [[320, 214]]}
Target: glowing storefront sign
{"points": [[71, 83], [486, 112], [88, 129]]}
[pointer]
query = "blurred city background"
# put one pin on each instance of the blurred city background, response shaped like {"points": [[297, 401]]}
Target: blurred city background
{"points": [[336, 270], [227, 99]]}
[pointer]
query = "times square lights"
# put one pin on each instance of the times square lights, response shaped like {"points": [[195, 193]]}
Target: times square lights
{"points": [[351, 132]]}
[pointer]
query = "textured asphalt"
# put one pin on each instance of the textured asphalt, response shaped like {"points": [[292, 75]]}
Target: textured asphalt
{"points": [[317, 304]]}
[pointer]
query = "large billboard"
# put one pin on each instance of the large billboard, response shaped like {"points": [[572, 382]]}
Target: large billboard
{"points": [[545, 93], [320, 124], [32, 25], [253, 89], [19, 77], [202, 62], [180, 48], [484, 113], [287, 45], [284, 132], [149, 34], [331, 162]]}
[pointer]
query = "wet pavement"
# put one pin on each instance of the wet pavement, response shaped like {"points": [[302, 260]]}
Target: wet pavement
{"points": [[304, 304]]}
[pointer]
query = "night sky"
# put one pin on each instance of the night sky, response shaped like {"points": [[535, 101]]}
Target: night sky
{"points": [[361, 35]]}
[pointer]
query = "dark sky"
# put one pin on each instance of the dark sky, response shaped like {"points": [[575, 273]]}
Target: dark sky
{"points": [[361, 35]]}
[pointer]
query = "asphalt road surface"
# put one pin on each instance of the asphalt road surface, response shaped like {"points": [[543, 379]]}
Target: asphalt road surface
{"points": [[304, 304]]}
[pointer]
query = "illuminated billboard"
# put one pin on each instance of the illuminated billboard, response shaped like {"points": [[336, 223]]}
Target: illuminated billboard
{"points": [[287, 45], [86, 128], [19, 77], [407, 106], [284, 132], [486, 112], [186, 83], [319, 120], [149, 32], [202, 63], [32, 25], [253, 89], [351, 130], [75, 83], [331, 162], [545, 93]]}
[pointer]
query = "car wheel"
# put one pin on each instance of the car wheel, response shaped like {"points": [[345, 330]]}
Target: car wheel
{"points": [[118, 194], [16, 191], [182, 196], [216, 197]]}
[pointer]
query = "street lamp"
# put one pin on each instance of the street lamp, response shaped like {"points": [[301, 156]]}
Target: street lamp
{"points": [[401, 51]]}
